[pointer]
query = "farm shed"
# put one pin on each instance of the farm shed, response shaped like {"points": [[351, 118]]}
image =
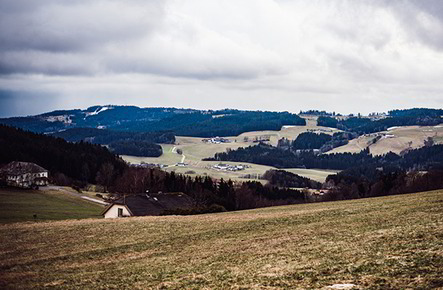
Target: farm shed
{"points": [[148, 205]]}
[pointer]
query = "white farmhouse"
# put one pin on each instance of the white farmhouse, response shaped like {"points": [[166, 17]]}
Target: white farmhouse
{"points": [[24, 174], [116, 210]]}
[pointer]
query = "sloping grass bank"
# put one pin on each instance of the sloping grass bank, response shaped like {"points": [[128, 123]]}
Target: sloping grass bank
{"points": [[19, 205], [381, 243]]}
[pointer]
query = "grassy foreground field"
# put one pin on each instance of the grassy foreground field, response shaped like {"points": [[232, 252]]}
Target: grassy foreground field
{"points": [[21, 205], [381, 243]]}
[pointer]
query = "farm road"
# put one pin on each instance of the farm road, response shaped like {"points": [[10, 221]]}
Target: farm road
{"points": [[62, 189]]}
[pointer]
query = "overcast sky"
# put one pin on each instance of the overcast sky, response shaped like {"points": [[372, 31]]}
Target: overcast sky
{"points": [[344, 56]]}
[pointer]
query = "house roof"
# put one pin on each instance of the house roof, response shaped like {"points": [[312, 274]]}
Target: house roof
{"points": [[19, 168], [153, 204]]}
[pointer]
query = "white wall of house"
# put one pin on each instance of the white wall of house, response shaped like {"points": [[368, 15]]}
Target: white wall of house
{"points": [[27, 179], [113, 211]]}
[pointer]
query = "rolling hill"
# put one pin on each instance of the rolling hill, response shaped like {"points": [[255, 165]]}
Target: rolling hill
{"points": [[395, 140], [184, 122], [391, 242]]}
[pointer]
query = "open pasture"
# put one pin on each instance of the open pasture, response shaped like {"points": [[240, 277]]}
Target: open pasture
{"points": [[21, 205], [401, 138], [393, 242], [194, 150]]}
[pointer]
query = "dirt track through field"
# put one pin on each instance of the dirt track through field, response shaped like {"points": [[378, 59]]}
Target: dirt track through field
{"points": [[64, 190]]}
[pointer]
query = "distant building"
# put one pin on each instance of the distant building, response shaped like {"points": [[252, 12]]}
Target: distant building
{"points": [[227, 167], [216, 140], [24, 174], [148, 205]]}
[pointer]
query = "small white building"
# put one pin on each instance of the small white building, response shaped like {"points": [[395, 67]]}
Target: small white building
{"points": [[117, 210], [24, 174]]}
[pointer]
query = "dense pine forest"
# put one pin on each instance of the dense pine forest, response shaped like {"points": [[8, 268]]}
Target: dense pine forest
{"points": [[80, 161], [182, 122], [104, 136], [423, 158], [119, 142], [308, 140]]}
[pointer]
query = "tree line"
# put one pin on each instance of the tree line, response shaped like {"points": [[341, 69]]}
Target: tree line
{"points": [[208, 193], [141, 144], [410, 117], [273, 156]]}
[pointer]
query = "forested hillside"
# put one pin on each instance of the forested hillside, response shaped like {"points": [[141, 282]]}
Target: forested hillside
{"points": [[182, 122], [80, 161], [422, 158], [104, 136], [119, 142], [309, 140], [422, 117]]}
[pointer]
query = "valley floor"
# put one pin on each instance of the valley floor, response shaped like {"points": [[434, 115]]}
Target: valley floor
{"points": [[391, 242]]}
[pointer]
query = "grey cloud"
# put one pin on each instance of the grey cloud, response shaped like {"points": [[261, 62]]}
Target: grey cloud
{"points": [[246, 54], [422, 20], [95, 37], [49, 29], [23, 103]]}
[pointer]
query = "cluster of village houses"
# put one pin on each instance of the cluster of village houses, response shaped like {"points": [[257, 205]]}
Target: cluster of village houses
{"points": [[216, 140], [148, 165], [228, 167]]}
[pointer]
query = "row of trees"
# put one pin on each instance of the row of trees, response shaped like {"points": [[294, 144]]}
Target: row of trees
{"points": [[282, 178], [389, 181], [322, 142], [366, 125], [206, 191], [105, 137], [268, 155], [309, 140]]}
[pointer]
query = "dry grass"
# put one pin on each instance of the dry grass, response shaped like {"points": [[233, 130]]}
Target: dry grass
{"points": [[290, 132], [380, 243]]}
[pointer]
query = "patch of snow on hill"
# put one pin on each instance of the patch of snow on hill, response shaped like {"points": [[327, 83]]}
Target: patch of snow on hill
{"points": [[393, 128], [63, 118], [98, 111]]}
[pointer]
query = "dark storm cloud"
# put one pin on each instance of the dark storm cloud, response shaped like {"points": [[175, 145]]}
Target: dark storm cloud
{"points": [[22, 103]]}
